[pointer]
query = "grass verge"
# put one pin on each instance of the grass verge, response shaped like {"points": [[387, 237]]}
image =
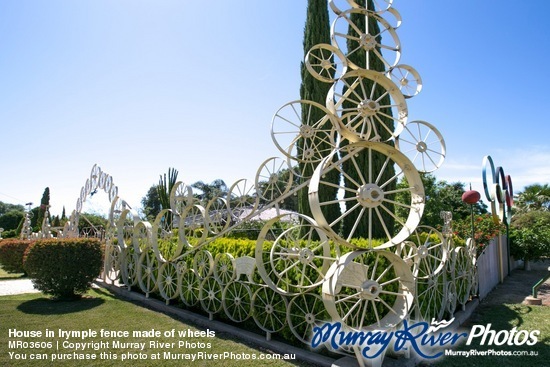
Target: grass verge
{"points": [[6, 275], [100, 310], [505, 317]]}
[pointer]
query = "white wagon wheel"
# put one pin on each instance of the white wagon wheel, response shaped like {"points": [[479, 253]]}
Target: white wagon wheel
{"points": [[304, 131], [218, 216], [192, 226], [141, 237], [181, 197], [368, 197], [129, 266], [407, 79], [203, 264], [462, 275], [224, 268], [360, 97], [189, 284], [369, 289], [306, 311], [168, 280], [125, 228], [338, 6], [237, 301], [273, 179], [164, 238], [297, 260], [243, 200], [431, 298], [269, 310], [148, 271], [94, 177], [210, 295], [431, 252], [388, 51], [450, 298], [326, 62], [423, 144], [112, 261]]}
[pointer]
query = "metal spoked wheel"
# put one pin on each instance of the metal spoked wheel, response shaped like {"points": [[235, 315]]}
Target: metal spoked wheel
{"points": [[297, 260], [192, 231], [210, 295], [366, 198], [273, 179], [451, 298], [164, 238], [168, 281], [326, 62], [142, 237], [306, 311], [423, 144], [407, 79], [224, 268], [237, 301], [431, 298], [269, 310], [218, 217], [358, 41], [203, 264], [431, 252], [305, 132], [243, 200], [369, 290], [462, 275], [181, 197], [380, 6], [148, 271], [129, 266], [189, 284], [112, 261], [373, 107]]}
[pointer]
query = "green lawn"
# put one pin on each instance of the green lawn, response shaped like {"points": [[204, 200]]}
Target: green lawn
{"points": [[101, 310], [6, 275], [506, 317]]}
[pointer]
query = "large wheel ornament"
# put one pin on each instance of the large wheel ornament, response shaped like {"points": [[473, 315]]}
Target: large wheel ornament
{"points": [[369, 290], [369, 196], [297, 260], [372, 105]]}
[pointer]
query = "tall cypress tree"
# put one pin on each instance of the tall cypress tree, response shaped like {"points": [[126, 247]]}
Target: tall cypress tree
{"points": [[360, 58], [44, 204], [316, 31]]}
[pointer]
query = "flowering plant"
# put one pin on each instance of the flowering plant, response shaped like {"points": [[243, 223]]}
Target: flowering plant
{"points": [[485, 229]]}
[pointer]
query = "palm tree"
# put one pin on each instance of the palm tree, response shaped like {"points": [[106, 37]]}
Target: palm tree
{"points": [[533, 197]]}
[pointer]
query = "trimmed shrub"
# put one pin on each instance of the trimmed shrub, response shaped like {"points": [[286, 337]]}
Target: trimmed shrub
{"points": [[64, 268], [11, 255]]}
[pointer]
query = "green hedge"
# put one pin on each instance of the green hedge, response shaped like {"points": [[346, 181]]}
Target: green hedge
{"points": [[64, 268], [11, 255]]}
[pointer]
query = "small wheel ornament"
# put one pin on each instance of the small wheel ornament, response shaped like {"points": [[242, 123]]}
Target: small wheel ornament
{"points": [[326, 62]]}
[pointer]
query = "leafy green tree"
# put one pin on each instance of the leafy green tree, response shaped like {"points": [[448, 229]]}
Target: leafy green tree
{"points": [[533, 197], [150, 203], [316, 31], [530, 236], [376, 162], [6, 207], [207, 192], [440, 196], [43, 208]]}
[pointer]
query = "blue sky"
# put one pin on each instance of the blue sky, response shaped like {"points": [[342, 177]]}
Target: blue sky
{"points": [[141, 86]]}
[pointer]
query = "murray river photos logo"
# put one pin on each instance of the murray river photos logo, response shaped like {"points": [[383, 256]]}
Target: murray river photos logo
{"points": [[428, 341]]}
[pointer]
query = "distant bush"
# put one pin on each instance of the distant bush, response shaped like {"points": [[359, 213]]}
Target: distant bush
{"points": [[11, 255], [64, 268]]}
